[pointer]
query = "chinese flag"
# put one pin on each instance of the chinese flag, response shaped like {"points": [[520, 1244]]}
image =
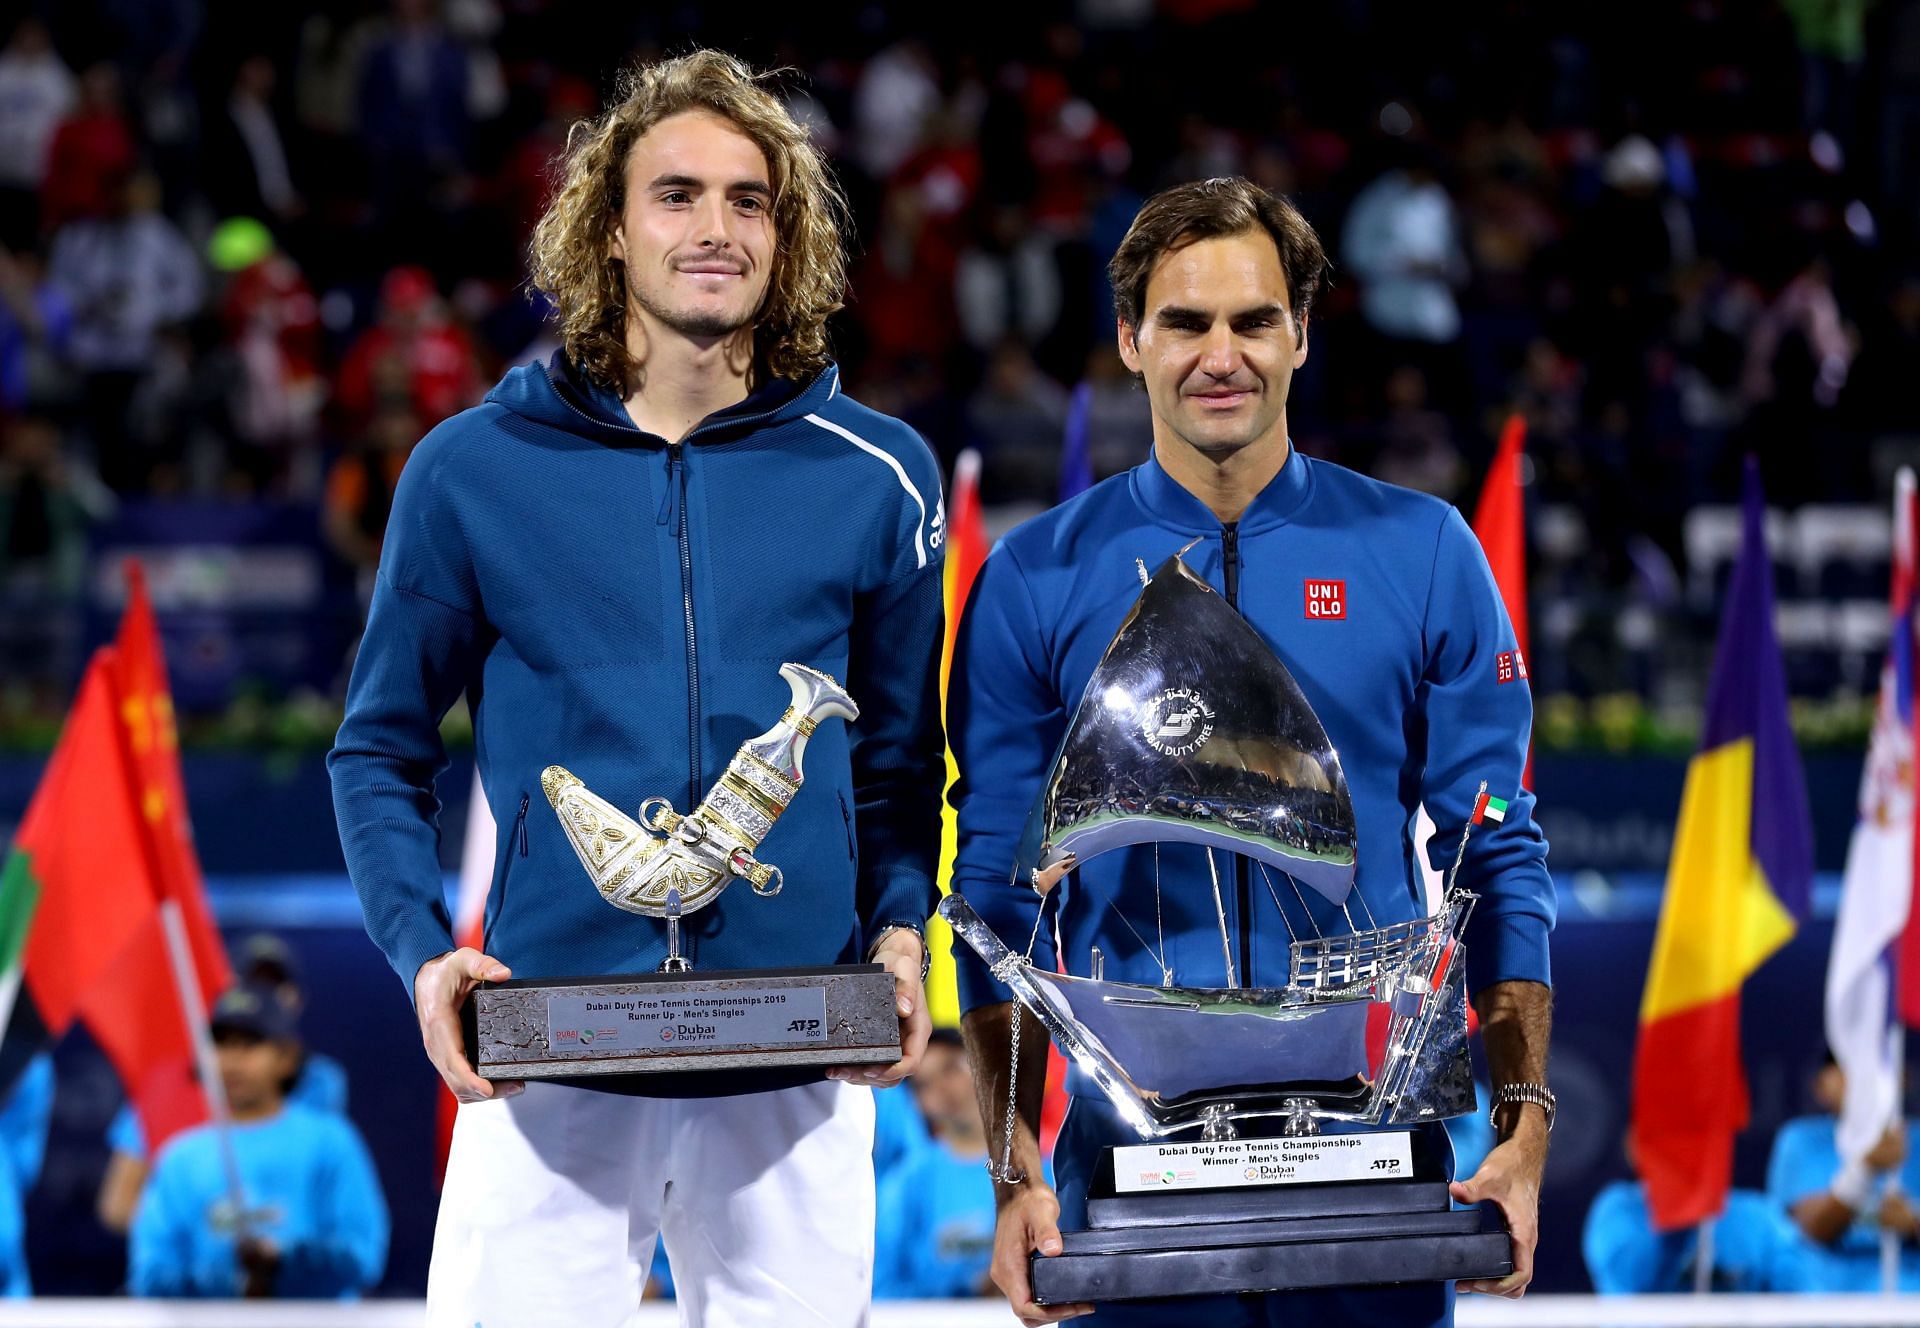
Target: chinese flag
{"points": [[134, 1010]]}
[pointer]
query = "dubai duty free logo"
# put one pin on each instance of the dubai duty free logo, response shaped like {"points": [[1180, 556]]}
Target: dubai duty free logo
{"points": [[1177, 722]]}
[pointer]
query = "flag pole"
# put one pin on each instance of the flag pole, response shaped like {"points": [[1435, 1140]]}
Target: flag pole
{"points": [[1703, 1259], [186, 979], [1890, 1242]]}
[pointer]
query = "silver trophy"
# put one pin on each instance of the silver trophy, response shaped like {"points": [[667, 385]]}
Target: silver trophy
{"points": [[1192, 731], [665, 865]]}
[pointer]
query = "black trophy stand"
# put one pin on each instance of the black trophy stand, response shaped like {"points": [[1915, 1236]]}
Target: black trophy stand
{"points": [[1273, 1238]]}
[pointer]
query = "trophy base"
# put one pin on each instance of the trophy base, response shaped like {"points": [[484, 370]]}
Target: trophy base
{"points": [[661, 1023], [1266, 1237]]}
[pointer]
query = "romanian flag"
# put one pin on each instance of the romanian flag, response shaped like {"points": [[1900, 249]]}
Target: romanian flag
{"points": [[1738, 885], [966, 551]]}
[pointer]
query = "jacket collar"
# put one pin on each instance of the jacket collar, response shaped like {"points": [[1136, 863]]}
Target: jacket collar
{"points": [[1172, 505], [557, 394]]}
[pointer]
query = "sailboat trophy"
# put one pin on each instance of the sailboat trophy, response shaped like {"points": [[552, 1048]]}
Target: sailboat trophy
{"points": [[665, 865], [1191, 730]]}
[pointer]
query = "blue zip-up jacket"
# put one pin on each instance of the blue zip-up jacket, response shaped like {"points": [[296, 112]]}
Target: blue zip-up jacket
{"points": [[620, 605], [1414, 675]]}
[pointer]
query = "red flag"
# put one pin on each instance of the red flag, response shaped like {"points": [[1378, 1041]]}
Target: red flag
{"points": [[79, 847], [966, 551], [134, 1011], [103, 853], [146, 709], [1500, 523]]}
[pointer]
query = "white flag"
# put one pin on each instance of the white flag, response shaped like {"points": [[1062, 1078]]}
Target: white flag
{"points": [[1862, 1027]]}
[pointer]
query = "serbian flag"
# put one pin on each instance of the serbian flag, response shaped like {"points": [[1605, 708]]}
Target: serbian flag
{"points": [[1876, 892], [1499, 521], [1738, 885], [103, 856]]}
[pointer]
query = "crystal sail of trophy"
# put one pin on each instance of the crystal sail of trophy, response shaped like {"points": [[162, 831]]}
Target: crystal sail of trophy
{"points": [[664, 864], [1275, 1150]]}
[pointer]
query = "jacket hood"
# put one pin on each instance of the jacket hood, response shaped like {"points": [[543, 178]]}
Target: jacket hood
{"points": [[553, 394]]}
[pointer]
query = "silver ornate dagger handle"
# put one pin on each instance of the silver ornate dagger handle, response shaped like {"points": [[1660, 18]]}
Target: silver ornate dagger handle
{"points": [[634, 864]]}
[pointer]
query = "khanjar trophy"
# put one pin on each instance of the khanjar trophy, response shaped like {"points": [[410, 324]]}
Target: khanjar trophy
{"points": [[666, 865], [1191, 730]]}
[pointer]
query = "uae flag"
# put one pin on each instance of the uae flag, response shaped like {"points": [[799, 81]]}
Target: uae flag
{"points": [[100, 871]]}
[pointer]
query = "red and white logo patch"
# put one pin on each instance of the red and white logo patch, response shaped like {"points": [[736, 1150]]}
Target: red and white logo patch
{"points": [[1508, 665], [1326, 599]]}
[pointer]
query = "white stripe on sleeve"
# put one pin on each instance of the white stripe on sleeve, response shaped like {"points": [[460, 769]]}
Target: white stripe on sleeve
{"points": [[900, 473]]}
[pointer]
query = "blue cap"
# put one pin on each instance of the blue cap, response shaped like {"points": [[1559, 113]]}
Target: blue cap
{"points": [[255, 1009]]}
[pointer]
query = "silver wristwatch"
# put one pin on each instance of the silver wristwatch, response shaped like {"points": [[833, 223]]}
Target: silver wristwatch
{"points": [[1539, 1094], [926, 952]]}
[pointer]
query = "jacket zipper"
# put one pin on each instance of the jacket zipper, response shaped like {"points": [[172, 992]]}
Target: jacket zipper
{"points": [[516, 839], [1242, 873], [679, 495]]}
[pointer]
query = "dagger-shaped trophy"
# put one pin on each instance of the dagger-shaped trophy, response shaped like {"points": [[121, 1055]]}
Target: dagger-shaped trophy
{"points": [[667, 865], [1191, 730]]}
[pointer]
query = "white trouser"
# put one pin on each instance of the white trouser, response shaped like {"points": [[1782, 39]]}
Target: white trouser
{"points": [[554, 1198]]}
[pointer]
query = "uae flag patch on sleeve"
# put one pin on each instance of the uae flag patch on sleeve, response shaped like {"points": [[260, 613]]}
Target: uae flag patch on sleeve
{"points": [[1489, 808]]}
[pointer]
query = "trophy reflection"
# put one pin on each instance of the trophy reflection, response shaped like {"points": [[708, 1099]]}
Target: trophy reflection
{"points": [[1192, 731]]}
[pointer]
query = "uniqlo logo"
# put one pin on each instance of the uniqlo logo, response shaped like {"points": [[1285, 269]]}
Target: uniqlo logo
{"points": [[1508, 665], [1326, 599]]}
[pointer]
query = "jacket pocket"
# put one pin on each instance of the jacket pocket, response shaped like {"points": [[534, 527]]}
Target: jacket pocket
{"points": [[846, 819], [516, 847]]}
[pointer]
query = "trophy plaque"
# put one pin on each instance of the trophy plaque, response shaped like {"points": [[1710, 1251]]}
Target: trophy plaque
{"points": [[665, 865], [1269, 1157]]}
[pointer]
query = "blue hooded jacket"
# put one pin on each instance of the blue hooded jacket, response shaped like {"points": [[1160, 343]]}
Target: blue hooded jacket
{"points": [[621, 606], [1407, 658]]}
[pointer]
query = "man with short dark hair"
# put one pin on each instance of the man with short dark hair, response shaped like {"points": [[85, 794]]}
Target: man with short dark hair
{"points": [[1379, 601]]}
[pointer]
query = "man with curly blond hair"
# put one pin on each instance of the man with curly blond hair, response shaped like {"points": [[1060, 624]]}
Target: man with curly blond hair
{"points": [[612, 556]]}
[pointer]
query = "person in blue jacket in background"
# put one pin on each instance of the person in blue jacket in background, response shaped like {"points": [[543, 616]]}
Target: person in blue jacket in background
{"points": [[1379, 601], [1755, 1246], [1840, 1212], [24, 1119], [312, 1222], [320, 1082], [936, 1209], [899, 1130]]}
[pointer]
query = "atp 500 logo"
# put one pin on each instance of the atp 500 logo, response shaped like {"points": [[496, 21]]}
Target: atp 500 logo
{"points": [[1177, 722]]}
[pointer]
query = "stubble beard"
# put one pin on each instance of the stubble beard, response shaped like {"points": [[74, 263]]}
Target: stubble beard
{"points": [[687, 322]]}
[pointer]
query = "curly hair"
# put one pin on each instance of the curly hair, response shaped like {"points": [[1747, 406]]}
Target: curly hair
{"points": [[569, 258]]}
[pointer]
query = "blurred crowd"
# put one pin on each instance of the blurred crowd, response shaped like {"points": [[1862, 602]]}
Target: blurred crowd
{"points": [[250, 253]]}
